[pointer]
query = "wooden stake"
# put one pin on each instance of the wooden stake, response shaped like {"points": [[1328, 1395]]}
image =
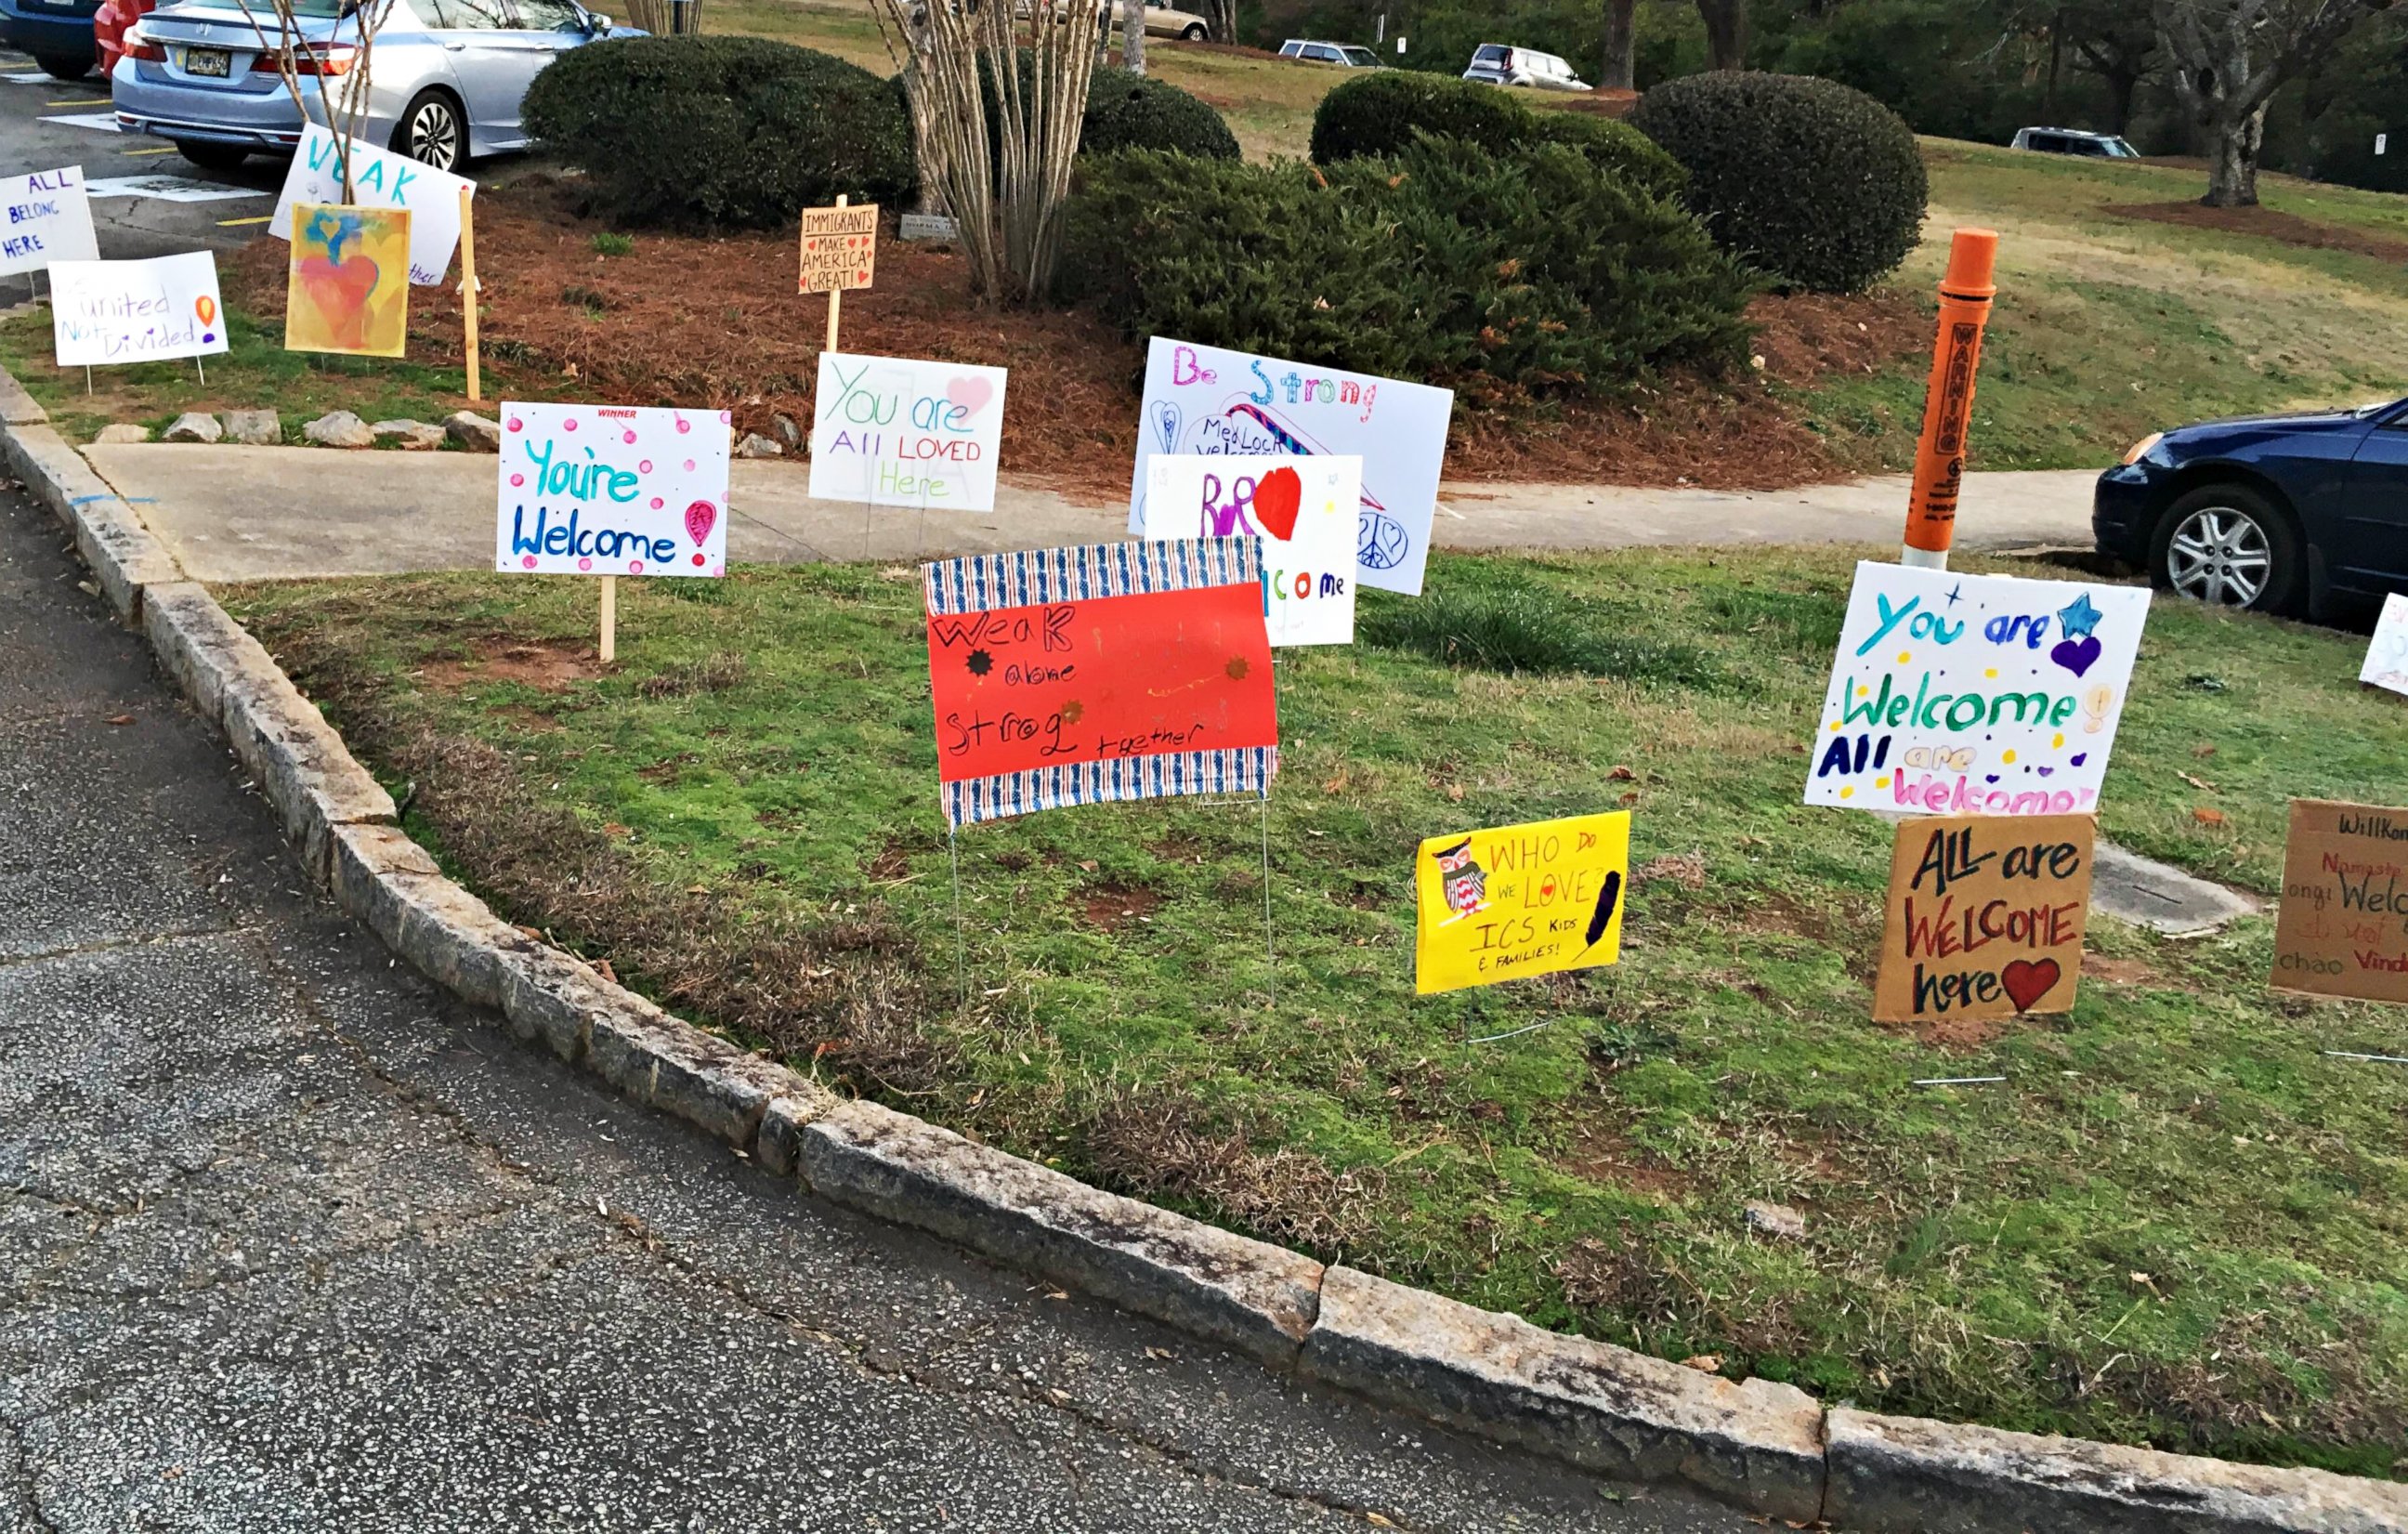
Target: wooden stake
{"points": [[836, 295], [610, 619], [468, 322]]}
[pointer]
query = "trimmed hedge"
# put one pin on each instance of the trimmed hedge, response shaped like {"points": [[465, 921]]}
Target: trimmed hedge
{"points": [[1818, 184], [710, 132], [1510, 277], [1380, 112], [1130, 111]]}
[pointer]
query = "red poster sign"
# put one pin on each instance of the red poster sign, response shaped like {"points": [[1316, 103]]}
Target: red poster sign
{"points": [[1100, 679]]}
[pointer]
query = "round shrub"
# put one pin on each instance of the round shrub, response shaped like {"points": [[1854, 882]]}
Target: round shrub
{"points": [[710, 132], [1129, 111], [1376, 113], [1614, 146], [1818, 184]]}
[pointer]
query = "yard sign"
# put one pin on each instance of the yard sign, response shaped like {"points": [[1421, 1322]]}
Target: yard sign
{"points": [[2342, 929], [606, 490], [892, 431], [1985, 917], [1518, 900], [436, 200], [1103, 671], [126, 312], [839, 248], [1983, 695], [1303, 509], [45, 217], [2386, 652]]}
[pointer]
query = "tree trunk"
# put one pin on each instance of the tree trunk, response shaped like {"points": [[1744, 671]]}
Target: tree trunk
{"points": [[2055, 60], [1221, 20], [1621, 41], [2232, 159], [1133, 35], [2120, 87], [1725, 33]]}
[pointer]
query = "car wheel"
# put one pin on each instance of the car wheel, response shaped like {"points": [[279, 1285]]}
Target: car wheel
{"points": [[431, 132], [1193, 35], [2228, 546], [217, 157], [65, 66]]}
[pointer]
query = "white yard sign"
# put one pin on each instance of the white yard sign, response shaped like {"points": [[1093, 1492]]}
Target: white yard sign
{"points": [[1303, 509], [45, 217], [1974, 695], [2387, 653], [380, 179], [610, 490], [120, 311], [892, 431], [1200, 399]]}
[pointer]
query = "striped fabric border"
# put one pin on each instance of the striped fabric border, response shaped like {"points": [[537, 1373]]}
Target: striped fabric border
{"points": [[1028, 577]]}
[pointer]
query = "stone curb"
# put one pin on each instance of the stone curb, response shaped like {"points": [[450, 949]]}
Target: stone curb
{"points": [[1758, 1445]]}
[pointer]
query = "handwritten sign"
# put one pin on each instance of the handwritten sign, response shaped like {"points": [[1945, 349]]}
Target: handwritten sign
{"points": [[123, 311], [45, 217], [1519, 900], [1986, 917], [380, 179], [1984, 694], [890, 431], [608, 490], [1201, 399], [1104, 671], [1303, 509], [2387, 653], [2342, 930], [839, 248], [346, 285]]}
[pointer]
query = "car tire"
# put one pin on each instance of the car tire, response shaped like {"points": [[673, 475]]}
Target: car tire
{"points": [[431, 131], [218, 157], [2229, 546], [1193, 35], [65, 66]]}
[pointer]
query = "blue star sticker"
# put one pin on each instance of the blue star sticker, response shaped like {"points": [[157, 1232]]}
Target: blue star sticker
{"points": [[2080, 618]]}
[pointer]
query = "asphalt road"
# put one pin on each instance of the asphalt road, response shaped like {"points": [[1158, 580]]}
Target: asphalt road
{"points": [[290, 1242], [45, 124]]}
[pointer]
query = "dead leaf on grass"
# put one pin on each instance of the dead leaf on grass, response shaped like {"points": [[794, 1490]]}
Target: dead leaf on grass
{"points": [[2207, 815], [2199, 784], [120, 719]]}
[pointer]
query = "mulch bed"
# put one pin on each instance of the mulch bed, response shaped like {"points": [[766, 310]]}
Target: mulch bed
{"points": [[716, 320], [2271, 224]]}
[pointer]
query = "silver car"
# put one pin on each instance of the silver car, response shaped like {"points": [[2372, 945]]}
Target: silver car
{"points": [[446, 76]]}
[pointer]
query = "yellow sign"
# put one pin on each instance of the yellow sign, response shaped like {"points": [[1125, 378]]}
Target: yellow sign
{"points": [[1520, 900], [839, 248], [348, 286]]}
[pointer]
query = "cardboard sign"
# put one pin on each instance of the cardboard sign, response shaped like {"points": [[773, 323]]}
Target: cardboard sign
{"points": [[380, 179], [1519, 900], [45, 217], [1106, 671], [122, 311], [2342, 929], [890, 431], [2387, 653], [1986, 917], [1203, 400], [1303, 509], [1981, 694], [347, 286], [608, 490], [839, 248]]}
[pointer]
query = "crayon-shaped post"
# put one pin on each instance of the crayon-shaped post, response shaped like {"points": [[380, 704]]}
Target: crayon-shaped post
{"points": [[1965, 295]]}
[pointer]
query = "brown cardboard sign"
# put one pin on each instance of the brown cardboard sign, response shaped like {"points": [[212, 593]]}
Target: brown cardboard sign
{"points": [[2342, 930], [1985, 917], [839, 248]]}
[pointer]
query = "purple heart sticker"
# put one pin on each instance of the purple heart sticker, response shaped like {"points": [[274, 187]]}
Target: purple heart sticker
{"points": [[2048, 772], [1992, 777], [2081, 757], [2076, 656]]}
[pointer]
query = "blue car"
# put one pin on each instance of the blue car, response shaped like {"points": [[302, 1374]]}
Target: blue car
{"points": [[57, 33], [2282, 513], [446, 83]]}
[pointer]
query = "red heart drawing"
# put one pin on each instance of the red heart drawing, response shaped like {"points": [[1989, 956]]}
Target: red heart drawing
{"points": [[698, 519], [1278, 496], [2027, 981], [970, 392], [340, 290]]}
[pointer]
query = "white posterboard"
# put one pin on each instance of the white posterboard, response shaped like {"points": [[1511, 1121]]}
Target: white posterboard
{"points": [[124, 312], [1203, 400], [380, 179], [2386, 652], [45, 217], [895, 431], [611, 490], [1305, 511], [1974, 695]]}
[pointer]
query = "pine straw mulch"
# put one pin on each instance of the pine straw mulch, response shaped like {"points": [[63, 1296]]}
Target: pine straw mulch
{"points": [[715, 322]]}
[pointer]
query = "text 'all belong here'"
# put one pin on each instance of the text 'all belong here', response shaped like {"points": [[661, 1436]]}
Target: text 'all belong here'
{"points": [[1974, 695], [45, 216], [611, 490], [1303, 511], [896, 431]]}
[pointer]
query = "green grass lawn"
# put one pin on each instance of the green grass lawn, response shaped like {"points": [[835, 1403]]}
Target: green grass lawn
{"points": [[2176, 1223]]}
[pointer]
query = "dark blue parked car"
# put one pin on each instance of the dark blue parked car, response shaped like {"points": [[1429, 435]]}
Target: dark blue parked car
{"points": [[57, 33], [2284, 513]]}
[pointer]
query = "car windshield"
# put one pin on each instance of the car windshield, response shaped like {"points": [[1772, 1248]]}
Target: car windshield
{"points": [[1488, 53], [2118, 149], [1361, 58]]}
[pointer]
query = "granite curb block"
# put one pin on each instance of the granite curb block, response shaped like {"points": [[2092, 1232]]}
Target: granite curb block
{"points": [[1760, 1445]]}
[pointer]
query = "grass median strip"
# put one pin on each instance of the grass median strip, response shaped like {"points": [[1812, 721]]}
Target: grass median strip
{"points": [[2176, 1221]]}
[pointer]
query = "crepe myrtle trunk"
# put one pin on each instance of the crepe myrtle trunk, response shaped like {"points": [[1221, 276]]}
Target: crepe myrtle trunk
{"points": [[1221, 20], [1133, 35], [1725, 33], [1620, 44]]}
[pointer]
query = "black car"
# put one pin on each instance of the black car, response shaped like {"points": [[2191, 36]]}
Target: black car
{"points": [[2282, 513]]}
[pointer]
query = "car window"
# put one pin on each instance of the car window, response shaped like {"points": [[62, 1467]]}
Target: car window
{"points": [[1322, 54], [2090, 147], [547, 15], [1488, 53], [1362, 58], [470, 14]]}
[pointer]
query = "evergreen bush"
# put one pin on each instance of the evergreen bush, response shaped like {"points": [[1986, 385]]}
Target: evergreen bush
{"points": [[1819, 185], [708, 133]]}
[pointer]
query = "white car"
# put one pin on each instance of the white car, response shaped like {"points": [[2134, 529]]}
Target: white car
{"points": [[1344, 56], [1495, 63]]}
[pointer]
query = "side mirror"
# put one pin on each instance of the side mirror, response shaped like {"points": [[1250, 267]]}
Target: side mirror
{"points": [[597, 23]]}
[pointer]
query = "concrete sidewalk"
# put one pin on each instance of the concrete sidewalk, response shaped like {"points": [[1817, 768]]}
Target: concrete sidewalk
{"points": [[239, 513]]}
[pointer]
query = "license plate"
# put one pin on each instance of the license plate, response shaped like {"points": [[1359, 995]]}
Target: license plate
{"points": [[212, 62]]}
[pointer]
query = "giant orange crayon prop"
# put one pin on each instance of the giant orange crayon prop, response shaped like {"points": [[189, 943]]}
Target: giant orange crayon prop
{"points": [[1965, 296]]}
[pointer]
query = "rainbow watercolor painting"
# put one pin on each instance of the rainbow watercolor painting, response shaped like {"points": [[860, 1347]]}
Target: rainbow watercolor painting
{"points": [[349, 285]]}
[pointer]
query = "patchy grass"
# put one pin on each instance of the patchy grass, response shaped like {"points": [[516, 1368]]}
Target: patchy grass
{"points": [[2176, 1223]]}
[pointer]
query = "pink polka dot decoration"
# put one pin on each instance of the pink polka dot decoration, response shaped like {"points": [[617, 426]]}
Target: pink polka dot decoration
{"points": [[569, 425], [516, 425], [527, 560], [724, 418], [628, 438], [697, 559], [643, 467], [585, 564], [517, 480], [685, 426], [656, 503], [635, 567], [689, 465]]}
